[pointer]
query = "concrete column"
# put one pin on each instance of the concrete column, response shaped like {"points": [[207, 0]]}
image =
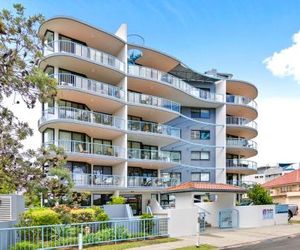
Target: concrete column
{"points": [[221, 135]]}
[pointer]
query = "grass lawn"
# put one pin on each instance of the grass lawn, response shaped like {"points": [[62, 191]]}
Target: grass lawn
{"points": [[132, 244], [202, 247], [294, 222]]}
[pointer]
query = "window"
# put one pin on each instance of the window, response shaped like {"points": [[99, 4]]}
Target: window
{"points": [[48, 136], [200, 134], [285, 189], [173, 175], [49, 39], [101, 199], [200, 176], [200, 155], [200, 113]]}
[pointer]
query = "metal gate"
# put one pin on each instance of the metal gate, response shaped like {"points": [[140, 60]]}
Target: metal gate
{"points": [[228, 218], [201, 220]]}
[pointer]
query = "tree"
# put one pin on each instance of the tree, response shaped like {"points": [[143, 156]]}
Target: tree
{"points": [[23, 170], [259, 195]]}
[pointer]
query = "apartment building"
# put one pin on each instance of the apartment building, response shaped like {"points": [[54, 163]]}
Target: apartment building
{"points": [[134, 120]]}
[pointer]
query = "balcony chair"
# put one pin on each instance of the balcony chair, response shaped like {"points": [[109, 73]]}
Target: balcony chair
{"points": [[81, 149]]}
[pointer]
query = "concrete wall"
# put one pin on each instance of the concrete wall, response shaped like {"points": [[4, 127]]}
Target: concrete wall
{"points": [[186, 126], [183, 222], [252, 216], [212, 209]]}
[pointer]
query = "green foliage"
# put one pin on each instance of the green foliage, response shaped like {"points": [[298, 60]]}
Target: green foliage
{"points": [[24, 245], [64, 213], [259, 195], [38, 217], [107, 234], [117, 200], [82, 215], [100, 215], [147, 223]]}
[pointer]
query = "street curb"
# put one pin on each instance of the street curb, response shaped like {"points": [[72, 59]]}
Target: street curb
{"points": [[251, 243]]}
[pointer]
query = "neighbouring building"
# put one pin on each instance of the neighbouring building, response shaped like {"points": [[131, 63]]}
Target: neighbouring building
{"points": [[270, 172], [285, 189], [134, 120]]}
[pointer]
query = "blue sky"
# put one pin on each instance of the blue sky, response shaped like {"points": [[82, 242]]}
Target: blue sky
{"points": [[230, 35]]}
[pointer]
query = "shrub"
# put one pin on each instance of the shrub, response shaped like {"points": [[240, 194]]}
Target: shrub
{"points": [[259, 195], [100, 215], [64, 213], [39, 216], [107, 234], [117, 200], [24, 245], [82, 215], [147, 222]]}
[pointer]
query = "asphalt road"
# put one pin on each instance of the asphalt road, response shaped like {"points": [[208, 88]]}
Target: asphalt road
{"points": [[276, 244]]}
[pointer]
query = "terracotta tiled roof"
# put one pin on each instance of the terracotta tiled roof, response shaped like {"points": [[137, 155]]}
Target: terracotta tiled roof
{"points": [[287, 179], [205, 186]]}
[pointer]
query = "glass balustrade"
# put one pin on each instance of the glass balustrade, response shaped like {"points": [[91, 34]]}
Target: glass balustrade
{"points": [[174, 81], [152, 101], [72, 146], [70, 113], [239, 121], [156, 155], [149, 127], [241, 143], [77, 49], [151, 182], [95, 87]]}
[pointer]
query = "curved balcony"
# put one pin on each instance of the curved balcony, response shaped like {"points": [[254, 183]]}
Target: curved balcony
{"points": [[83, 31], [93, 93], [240, 146], [83, 59], [97, 181], [151, 80], [84, 121], [151, 107], [241, 166], [152, 133], [152, 158], [241, 106], [241, 88], [93, 153], [241, 127], [142, 182]]}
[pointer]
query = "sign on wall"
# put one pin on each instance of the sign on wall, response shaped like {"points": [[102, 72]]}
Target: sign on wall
{"points": [[268, 213]]}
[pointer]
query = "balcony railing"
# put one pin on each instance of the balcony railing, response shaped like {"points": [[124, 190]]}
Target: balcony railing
{"points": [[240, 183], [241, 100], [155, 155], [151, 182], [98, 180], [72, 146], [95, 87], [65, 46], [153, 101], [240, 143], [241, 163], [70, 113], [149, 127], [239, 121], [176, 82]]}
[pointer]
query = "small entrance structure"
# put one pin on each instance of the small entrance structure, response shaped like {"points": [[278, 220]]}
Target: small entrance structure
{"points": [[229, 218]]}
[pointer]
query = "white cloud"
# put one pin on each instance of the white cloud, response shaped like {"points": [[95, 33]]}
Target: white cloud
{"points": [[287, 61], [279, 133]]}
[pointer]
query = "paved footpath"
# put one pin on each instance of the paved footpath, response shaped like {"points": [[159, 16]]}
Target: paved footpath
{"points": [[227, 238]]}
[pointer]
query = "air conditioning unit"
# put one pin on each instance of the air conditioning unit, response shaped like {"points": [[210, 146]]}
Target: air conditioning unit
{"points": [[11, 206]]}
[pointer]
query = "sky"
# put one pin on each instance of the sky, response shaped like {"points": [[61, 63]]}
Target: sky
{"points": [[256, 40]]}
